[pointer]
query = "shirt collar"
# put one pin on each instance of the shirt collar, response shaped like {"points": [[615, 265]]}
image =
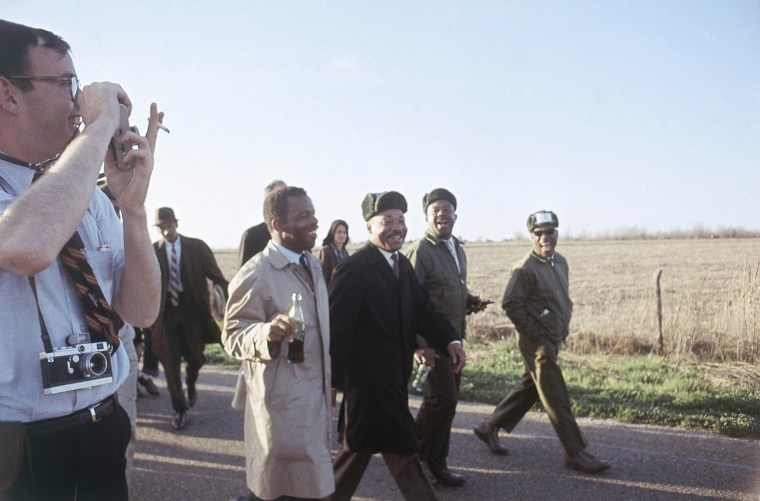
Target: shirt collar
{"points": [[39, 168], [435, 240], [293, 257], [387, 255], [549, 260], [177, 243], [18, 177]]}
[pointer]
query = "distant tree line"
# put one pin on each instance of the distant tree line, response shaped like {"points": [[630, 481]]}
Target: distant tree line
{"points": [[638, 233], [695, 233]]}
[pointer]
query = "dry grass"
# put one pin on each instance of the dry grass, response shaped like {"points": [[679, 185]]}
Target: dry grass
{"points": [[710, 288], [710, 293]]}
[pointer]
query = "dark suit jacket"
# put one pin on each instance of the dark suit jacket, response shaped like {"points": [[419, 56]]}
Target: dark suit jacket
{"points": [[197, 263], [254, 240], [373, 321]]}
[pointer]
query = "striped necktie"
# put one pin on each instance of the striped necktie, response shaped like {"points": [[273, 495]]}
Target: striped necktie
{"points": [[174, 285], [102, 321]]}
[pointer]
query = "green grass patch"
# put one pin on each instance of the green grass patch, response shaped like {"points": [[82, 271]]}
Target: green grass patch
{"points": [[215, 354], [630, 389]]}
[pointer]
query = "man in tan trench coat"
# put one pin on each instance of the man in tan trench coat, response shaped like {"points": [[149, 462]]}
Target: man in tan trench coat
{"points": [[287, 410]]}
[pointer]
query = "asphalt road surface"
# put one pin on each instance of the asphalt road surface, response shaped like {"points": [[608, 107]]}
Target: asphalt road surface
{"points": [[205, 461]]}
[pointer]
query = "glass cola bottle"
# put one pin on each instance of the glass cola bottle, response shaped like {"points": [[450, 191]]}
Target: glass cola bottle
{"points": [[295, 347]]}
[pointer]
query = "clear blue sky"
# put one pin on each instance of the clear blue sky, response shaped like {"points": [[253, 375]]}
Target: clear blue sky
{"points": [[614, 114]]}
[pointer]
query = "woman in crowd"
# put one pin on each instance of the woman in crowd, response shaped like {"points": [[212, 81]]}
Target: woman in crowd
{"points": [[333, 249]]}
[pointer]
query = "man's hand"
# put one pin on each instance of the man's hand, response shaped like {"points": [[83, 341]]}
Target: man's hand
{"points": [[130, 188], [425, 356], [155, 118], [475, 304], [458, 357], [280, 328], [99, 106]]}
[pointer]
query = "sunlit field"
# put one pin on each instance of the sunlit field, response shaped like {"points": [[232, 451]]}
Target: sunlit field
{"points": [[710, 295]]}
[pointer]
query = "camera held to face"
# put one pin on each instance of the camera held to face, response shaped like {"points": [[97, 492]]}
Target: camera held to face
{"points": [[76, 367]]}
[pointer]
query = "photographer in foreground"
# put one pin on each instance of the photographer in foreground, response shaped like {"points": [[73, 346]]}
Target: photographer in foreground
{"points": [[68, 270]]}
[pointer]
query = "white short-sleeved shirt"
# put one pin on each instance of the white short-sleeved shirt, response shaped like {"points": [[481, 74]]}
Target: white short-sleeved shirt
{"points": [[21, 394]]}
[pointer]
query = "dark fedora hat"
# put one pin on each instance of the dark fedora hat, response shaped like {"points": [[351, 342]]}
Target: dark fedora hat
{"points": [[438, 194], [375, 203], [165, 215]]}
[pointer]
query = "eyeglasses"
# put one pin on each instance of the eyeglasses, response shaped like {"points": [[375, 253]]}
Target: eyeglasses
{"points": [[540, 233], [74, 82]]}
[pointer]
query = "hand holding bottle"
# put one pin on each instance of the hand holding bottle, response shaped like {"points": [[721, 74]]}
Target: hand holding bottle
{"points": [[280, 328]]}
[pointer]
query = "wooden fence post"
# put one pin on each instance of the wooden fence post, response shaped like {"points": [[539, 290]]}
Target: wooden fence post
{"points": [[659, 348]]}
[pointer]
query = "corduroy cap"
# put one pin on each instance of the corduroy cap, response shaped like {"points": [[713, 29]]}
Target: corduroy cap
{"points": [[374, 203], [542, 218], [165, 215], [438, 194]]}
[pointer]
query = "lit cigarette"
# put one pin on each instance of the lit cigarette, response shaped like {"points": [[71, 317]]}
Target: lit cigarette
{"points": [[162, 127]]}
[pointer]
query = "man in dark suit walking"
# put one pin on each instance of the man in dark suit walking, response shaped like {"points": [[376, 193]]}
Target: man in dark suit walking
{"points": [[184, 323], [376, 308], [256, 238]]}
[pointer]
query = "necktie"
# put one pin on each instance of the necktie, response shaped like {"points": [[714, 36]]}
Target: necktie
{"points": [[394, 256], [551, 260], [305, 263], [174, 284], [101, 320], [452, 249]]}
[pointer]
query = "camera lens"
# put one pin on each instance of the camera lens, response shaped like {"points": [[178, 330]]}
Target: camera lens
{"points": [[94, 364]]}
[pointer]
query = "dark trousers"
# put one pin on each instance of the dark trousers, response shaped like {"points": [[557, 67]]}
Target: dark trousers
{"points": [[542, 380], [439, 405], [149, 360], [82, 463], [405, 469], [184, 340]]}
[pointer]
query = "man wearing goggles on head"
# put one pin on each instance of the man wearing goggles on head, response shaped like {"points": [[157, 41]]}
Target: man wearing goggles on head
{"points": [[537, 301]]}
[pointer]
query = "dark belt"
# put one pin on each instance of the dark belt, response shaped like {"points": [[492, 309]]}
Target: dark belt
{"points": [[79, 418]]}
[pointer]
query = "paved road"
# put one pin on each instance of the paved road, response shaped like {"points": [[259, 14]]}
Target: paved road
{"points": [[206, 462]]}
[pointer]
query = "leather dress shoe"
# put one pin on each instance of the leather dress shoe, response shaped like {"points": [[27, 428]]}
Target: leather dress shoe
{"points": [[180, 420], [148, 383], [585, 462], [448, 477], [490, 435]]}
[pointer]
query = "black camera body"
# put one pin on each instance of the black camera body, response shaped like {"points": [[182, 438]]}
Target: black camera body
{"points": [[76, 367]]}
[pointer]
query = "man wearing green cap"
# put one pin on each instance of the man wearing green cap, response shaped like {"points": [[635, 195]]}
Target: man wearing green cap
{"points": [[441, 267], [537, 301], [376, 308]]}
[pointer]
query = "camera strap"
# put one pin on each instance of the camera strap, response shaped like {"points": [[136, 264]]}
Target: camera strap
{"points": [[45, 335]]}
